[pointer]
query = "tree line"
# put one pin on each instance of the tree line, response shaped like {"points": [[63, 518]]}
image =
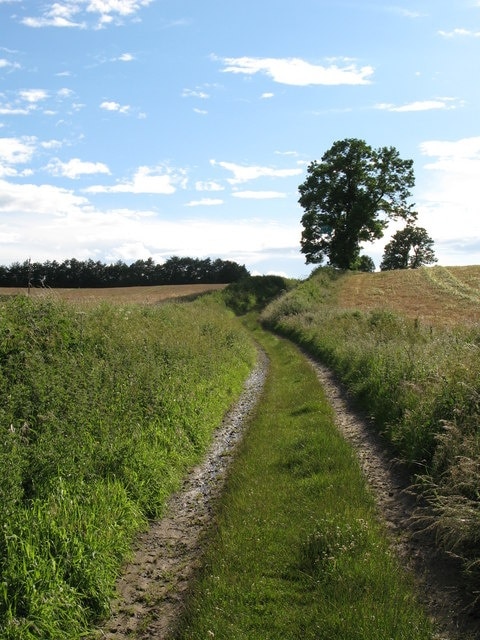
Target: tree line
{"points": [[74, 273]]}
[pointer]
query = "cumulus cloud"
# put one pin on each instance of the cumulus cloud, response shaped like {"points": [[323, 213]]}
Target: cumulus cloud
{"points": [[447, 199], [6, 64], [114, 106], [75, 168], [79, 13], [17, 150], [33, 95], [460, 33], [298, 72], [242, 173], [208, 186], [146, 180], [204, 202], [195, 93], [422, 105], [38, 199]]}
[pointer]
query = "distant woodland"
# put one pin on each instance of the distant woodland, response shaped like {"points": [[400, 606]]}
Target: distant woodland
{"points": [[91, 273]]}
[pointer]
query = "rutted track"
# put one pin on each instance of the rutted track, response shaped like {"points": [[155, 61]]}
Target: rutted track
{"points": [[154, 585], [152, 589]]}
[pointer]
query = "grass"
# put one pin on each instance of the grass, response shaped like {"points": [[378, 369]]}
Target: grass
{"points": [[416, 372], [297, 550], [103, 409]]}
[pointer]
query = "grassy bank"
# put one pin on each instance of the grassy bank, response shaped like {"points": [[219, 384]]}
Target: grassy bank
{"points": [[102, 410], [297, 550], [420, 381]]}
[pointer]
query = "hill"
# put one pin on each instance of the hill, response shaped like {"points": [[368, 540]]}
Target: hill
{"points": [[433, 295]]}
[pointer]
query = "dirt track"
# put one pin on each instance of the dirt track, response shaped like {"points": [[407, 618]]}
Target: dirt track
{"points": [[154, 585]]}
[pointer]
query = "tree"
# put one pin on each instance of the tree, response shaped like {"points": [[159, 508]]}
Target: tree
{"points": [[409, 248], [363, 263], [349, 198]]}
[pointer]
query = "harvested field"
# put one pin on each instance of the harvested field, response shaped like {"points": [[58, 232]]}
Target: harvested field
{"points": [[120, 295]]}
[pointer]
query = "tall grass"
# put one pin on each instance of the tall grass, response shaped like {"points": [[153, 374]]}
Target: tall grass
{"points": [[420, 384], [102, 409]]}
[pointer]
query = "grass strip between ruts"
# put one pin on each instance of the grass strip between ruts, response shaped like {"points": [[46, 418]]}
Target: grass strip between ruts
{"points": [[297, 550]]}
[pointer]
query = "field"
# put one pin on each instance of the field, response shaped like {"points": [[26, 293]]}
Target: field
{"points": [[117, 295], [434, 296]]}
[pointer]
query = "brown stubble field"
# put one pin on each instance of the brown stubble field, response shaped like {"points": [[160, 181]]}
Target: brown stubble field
{"points": [[118, 295], [447, 296]]}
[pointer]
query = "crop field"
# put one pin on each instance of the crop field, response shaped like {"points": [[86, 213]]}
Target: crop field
{"points": [[117, 295], [436, 295]]}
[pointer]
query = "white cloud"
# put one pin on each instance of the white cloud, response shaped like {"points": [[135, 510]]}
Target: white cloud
{"points": [[65, 93], [51, 144], [448, 200], [6, 64], [76, 13], [76, 167], [8, 110], [267, 96], [208, 186], [17, 150], [459, 157], [243, 173], [146, 180], [259, 195], [195, 93], [205, 202], [422, 105], [33, 95], [126, 57], [38, 199], [462, 33], [201, 112], [297, 72], [406, 13], [114, 106], [57, 14]]}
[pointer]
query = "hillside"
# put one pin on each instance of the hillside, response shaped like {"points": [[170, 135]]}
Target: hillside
{"points": [[434, 295]]}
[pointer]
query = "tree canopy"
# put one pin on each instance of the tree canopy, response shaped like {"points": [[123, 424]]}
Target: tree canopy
{"points": [[409, 248], [349, 198]]}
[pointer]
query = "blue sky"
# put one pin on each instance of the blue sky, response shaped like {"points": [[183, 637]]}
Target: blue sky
{"points": [[138, 128]]}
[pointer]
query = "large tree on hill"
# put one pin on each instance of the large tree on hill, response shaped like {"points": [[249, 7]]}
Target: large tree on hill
{"points": [[349, 198], [409, 248]]}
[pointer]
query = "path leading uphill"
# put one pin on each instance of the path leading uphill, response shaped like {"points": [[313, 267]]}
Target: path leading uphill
{"points": [[152, 590]]}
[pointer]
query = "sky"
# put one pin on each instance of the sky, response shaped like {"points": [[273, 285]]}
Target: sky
{"points": [[132, 129]]}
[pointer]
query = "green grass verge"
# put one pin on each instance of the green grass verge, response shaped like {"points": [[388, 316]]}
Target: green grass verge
{"points": [[102, 411], [420, 384], [297, 550]]}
